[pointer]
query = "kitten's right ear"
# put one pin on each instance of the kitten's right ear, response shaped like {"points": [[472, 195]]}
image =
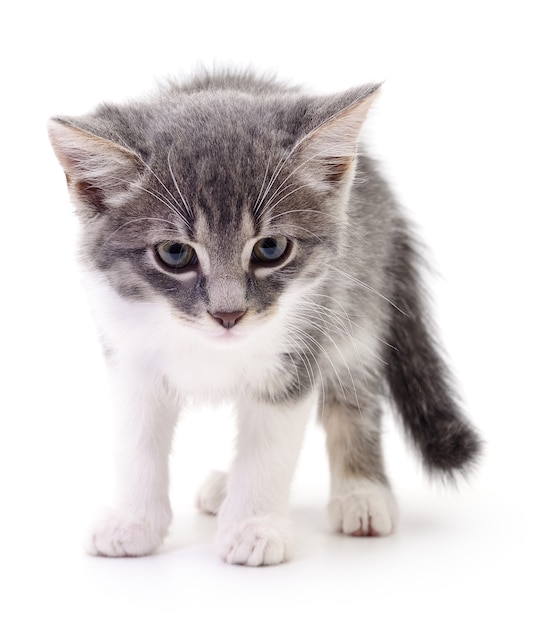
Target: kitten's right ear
{"points": [[99, 172]]}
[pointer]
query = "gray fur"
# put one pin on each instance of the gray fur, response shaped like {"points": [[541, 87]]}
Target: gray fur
{"points": [[196, 158]]}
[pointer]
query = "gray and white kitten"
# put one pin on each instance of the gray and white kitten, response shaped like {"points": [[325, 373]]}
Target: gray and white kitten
{"points": [[238, 246]]}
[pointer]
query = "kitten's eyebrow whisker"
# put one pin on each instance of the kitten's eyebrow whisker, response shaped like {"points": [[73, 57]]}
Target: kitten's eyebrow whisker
{"points": [[302, 164], [150, 169], [278, 189], [173, 209], [185, 204], [273, 178], [274, 217], [269, 209], [256, 205], [264, 203], [157, 196]]}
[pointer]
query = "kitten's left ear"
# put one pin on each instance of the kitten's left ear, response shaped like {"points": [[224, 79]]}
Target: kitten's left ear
{"points": [[328, 152], [99, 172]]}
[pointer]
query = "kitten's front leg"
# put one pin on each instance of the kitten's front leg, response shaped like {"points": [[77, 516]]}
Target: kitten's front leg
{"points": [[253, 525], [146, 417]]}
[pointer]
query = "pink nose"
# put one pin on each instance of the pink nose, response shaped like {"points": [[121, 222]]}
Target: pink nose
{"points": [[227, 319]]}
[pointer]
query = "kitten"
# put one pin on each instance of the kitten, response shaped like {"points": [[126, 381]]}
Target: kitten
{"points": [[238, 245]]}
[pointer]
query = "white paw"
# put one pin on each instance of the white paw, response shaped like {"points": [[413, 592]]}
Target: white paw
{"points": [[122, 534], [255, 541], [212, 493], [366, 510]]}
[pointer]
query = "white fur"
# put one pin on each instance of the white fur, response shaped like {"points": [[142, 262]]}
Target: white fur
{"points": [[212, 492], [253, 527], [198, 363], [158, 363], [123, 534], [145, 418], [362, 507], [254, 541]]}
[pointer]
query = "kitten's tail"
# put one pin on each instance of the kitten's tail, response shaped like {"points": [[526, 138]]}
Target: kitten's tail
{"points": [[418, 378]]}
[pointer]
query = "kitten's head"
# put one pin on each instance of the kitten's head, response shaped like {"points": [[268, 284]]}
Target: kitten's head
{"points": [[219, 201]]}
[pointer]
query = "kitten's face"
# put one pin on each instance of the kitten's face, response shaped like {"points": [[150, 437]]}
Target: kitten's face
{"points": [[220, 247], [222, 209]]}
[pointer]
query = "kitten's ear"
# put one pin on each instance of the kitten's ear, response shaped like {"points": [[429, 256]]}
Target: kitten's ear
{"points": [[99, 172], [328, 152]]}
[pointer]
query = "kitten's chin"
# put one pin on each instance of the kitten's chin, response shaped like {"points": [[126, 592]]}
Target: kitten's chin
{"points": [[226, 336]]}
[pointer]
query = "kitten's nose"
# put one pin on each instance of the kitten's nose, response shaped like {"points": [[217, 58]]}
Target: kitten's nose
{"points": [[227, 319]]}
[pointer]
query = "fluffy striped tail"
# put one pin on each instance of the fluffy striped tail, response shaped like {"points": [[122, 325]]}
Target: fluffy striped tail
{"points": [[418, 378]]}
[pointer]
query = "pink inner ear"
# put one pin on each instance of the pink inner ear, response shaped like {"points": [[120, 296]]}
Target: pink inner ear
{"points": [[91, 194], [335, 168], [330, 150]]}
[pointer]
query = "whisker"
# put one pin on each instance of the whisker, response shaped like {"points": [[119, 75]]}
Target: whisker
{"points": [[274, 217], [365, 286], [309, 320], [281, 199], [259, 199], [350, 320], [306, 364], [307, 335], [297, 371], [329, 316], [292, 173], [274, 176], [150, 169], [158, 197], [175, 211], [185, 204], [289, 154], [279, 188], [343, 331], [299, 340]]}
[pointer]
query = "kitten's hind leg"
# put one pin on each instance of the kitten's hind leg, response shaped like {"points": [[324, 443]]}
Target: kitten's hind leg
{"points": [[361, 502], [212, 492]]}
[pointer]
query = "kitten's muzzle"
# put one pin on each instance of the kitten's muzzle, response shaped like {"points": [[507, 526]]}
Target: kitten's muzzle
{"points": [[227, 319]]}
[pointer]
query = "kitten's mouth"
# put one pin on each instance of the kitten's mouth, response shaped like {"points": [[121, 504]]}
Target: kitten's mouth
{"points": [[218, 329], [232, 333]]}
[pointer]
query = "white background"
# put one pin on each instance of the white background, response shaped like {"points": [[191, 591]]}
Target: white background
{"points": [[465, 128]]}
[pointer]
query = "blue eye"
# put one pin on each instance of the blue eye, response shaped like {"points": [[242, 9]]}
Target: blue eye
{"points": [[175, 255], [270, 250]]}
